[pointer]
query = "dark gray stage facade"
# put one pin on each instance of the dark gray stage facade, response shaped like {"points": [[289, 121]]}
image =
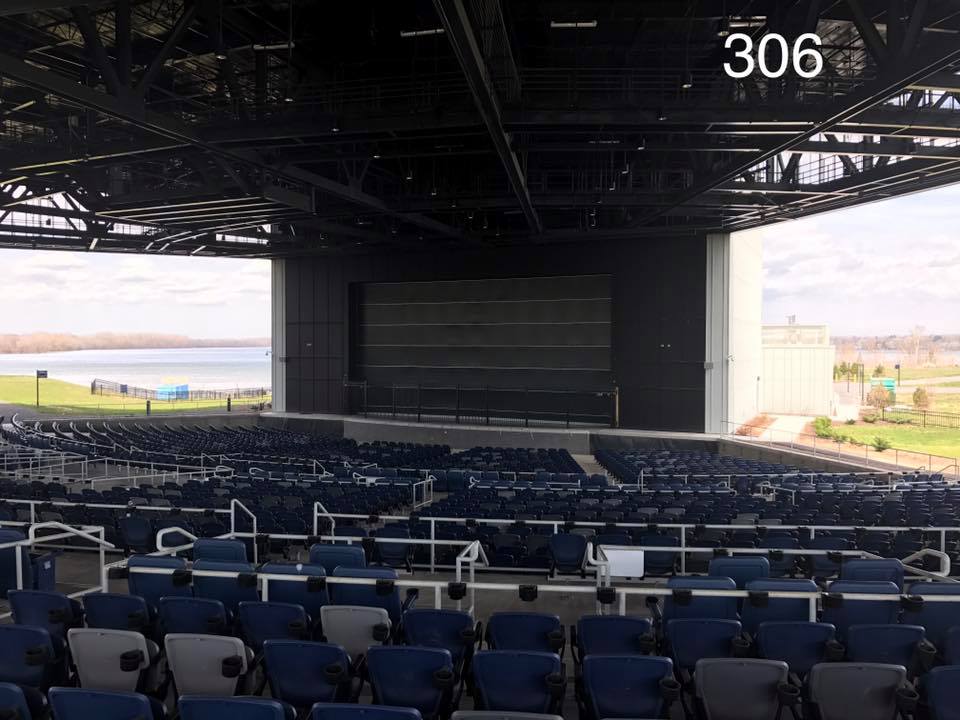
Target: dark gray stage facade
{"points": [[578, 317]]}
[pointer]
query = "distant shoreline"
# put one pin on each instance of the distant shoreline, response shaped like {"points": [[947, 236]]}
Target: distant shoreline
{"points": [[42, 343]]}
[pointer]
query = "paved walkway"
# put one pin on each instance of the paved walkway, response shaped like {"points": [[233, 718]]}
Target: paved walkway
{"points": [[785, 428]]}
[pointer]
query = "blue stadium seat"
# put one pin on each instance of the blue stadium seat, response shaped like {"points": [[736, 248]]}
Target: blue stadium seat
{"points": [[13, 702], [117, 611], [892, 644], [941, 687], [262, 621], [231, 591], [799, 644], [886, 570], [77, 704], [302, 673], [372, 595], [28, 660], [692, 639], [760, 608], [235, 708], [506, 680], [150, 586], [220, 550], [611, 635], [311, 594], [334, 711], [627, 686], [568, 552], [741, 570], [842, 613], [52, 611], [935, 617], [682, 604], [198, 616], [417, 677], [534, 632], [333, 556], [451, 630]]}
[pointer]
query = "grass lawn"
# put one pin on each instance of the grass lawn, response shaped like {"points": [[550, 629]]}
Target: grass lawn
{"points": [[63, 398], [923, 373], [937, 441], [949, 403]]}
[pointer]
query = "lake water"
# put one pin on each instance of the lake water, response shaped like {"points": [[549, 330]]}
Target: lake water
{"points": [[200, 368]]}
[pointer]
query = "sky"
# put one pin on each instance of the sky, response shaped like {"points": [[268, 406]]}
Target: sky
{"points": [[878, 269], [82, 293]]}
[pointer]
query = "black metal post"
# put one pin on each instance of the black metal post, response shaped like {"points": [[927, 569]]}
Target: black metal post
{"points": [[419, 405], [526, 407], [486, 395], [458, 404]]}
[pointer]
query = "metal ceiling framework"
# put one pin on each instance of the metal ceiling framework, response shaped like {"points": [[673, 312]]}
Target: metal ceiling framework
{"points": [[266, 128]]}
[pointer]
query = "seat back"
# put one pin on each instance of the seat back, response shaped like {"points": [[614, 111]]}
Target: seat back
{"points": [[53, 611], [220, 550], [866, 691], [625, 686], [935, 617], [739, 688], [514, 681], [843, 613], [760, 608], [333, 556], [197, 663], [151, 587], [339, 711], [297, 672], [77, 704], [310, 595], [942, 688], [15, 643], [394, 554], [888, 644], [12, 700], [740, 569], [197, 616], [406, 677], [800, 644], [355, 627], [451, 630], [101, 655], [262, 621], [611, 635], [886, 570], [237, 708], [116, 611], [693, 639], [568, 551], [677, 606], [369, 595], [534, 632], [228, 590]]}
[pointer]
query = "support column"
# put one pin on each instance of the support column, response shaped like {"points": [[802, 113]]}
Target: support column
{"points": [[278, 332], [716, 380]]}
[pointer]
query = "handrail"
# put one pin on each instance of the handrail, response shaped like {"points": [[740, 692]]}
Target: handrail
{"points": [[162, 533], [317, 508], [32, 533], [237, 505]]}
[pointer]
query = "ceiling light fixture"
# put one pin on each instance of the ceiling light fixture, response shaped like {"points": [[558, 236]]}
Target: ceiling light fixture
{"points": [[421, 33], [723, 29], [687, 81]]}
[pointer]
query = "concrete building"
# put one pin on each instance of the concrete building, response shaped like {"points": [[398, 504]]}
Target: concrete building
{"points": [[797, 373]]}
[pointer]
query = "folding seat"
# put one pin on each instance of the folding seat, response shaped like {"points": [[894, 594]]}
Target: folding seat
{"points": [[532, 632], [355, 628], [568, 551], [112, 660], [611, 635], [136, 532], [53, 611], [682, 603], [740, 569], [627, 686], [231, 591], [865, 691], [507, 680], [417, 677], [83, 704], [13, 703], [333, 556], [613, 539], [744, 689], [198, 616], [302, 673], [233, 551], [335, 711], [311, 593], [28, 660], [693, 639], [151, 586], [451, 630], [381, 594], [824, 564], [236, 708], [799, 644], [395, 554], [891, 644], [842, 613], [759, 607], [941, 688], [117, 611], [262, 621], [936, 617], [888, 570], [210, 665], [659, 562]]}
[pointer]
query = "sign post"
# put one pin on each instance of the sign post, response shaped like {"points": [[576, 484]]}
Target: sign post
{"points": [[40, 374], [898, 374]]}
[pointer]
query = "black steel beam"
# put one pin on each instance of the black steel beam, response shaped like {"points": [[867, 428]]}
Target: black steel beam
{"points": [[169, 45], [460, 32]]}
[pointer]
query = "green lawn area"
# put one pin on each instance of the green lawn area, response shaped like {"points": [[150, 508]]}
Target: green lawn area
{"points": [[63, 398], [923, 373], [949, 403], [937, 441]]}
